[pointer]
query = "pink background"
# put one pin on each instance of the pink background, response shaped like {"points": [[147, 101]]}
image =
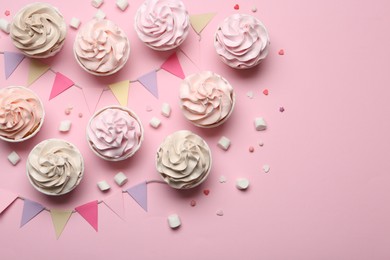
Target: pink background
{"points": [[327, 193]]}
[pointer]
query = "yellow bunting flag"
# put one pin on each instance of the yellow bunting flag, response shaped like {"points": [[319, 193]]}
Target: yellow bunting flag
{"points": [[36, 70], [60, 218], [200, 21], [121, 91]]}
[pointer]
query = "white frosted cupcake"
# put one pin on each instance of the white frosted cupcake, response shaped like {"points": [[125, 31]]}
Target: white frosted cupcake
{"points": [[206, 99], [55, 167], [183, 160], [101, 47], [241, 41], [38, 30], [21, 114], [115, 133], [162, 24]]}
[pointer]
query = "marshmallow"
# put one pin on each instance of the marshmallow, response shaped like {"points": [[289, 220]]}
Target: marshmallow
{"points": [[14, 158], [122, 4], [5, 26], [96, 3], [74, 23], [155, 122], [103, 185], [242, 183], [166, 110], [224, 143], [174, 221], [219, 213], [100, 15], [266, 168], [120, 178], [260, 124], [65, 126]]}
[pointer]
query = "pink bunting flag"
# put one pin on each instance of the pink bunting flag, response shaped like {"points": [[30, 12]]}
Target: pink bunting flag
{"points": [[115, 203], [89, 212], [139, 194], [172, 65], [149, 81], [6, 199], [11, 62], [30, 210], [61, 83]]}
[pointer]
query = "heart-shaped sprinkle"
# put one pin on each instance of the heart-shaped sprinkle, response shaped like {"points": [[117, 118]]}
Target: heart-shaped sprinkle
{"points": [[265, 92], [219, 212], [193, 203], [206, 192], [281, 52], [236, 7]]}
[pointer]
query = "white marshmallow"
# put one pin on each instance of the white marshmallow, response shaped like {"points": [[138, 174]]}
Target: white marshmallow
{"points": [[120, 178], [155, 122], [103, 185], [260, 124], [5, 26], [242, 183], [219, 212], [224, 143], [174, 221], [14, 158], [166, 110], [65, 126], [122, 4], [100, 15], [74, 23], [96, 3], [266, 168]]}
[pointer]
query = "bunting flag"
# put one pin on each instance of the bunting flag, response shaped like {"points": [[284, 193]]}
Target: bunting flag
{"points": [[89, 212], [60, 219], [139, 194], [92, 97], [172, 65], [6, 199], [30, 210], [36, 70], [121, 91], [149, 81], [115, 203], [61, 83], [200, 21], [11, 62]]}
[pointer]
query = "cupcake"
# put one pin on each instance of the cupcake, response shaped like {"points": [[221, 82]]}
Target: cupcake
{"points": [[21, 114], [115, 133], [241, 41], [101, 47], [183, 160], [55, 167], [206, 99], [162, 24], [38, 30]]}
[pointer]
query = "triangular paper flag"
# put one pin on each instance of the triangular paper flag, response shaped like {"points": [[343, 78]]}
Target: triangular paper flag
{"points": [[139, 194], [92, 97], [115, 203], [30, 210], [172, 65], [61, 83], [11, 62], [6, 199], [60, 218], [36, 70], [121, 91], [149, 81], [89, 212], [200, 21]]}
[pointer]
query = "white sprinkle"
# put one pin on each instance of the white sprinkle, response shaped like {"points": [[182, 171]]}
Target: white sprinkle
{"points": [[100, 15], [261, 143], [249, 94], [266, 168], [224, 143], [260, 124], [242, 183], [120, 178], [174, 221], [254, 9], [103, 185], [155, 122], [222, 179], [219, 212], [148, 108], [14, 158], [122, 4], [74, 23], [96, 3], [166, 110], [5, 26], [65, 126]]}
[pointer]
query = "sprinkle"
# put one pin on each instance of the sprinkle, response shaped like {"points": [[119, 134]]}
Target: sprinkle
{"points": [[261, 143], [266, 168], [148, 108], [265, 92], [281, 52], [251, 149], [80, 115], [222, 179], [13, 158], [254, 9], [7, 12], [249, 94], [236, 7], [67, 111], [219, 212], [193, 203], [281, 109], [206, 192]]}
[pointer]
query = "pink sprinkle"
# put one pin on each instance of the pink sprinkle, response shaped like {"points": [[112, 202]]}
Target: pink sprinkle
{"points": [[281, 109], [193, 203], [281, 52], [206, 192], [236, 7], [7, 12], [265, 92], [80, 115], [67, 111], [251, 149]]}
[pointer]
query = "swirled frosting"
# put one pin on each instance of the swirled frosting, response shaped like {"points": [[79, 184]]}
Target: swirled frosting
{"points": [[55, 167], [38, 30], [115, 133], [21, 113], [183, 160], [101, 47], [241, 41], [206, 98], [162, 24]]}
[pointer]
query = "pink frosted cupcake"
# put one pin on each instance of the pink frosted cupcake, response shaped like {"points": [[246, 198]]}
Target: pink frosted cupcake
{"points": [[162, 24], [206, 99], [101, 47], [241, 41], [21, 114], [115, 133]]}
